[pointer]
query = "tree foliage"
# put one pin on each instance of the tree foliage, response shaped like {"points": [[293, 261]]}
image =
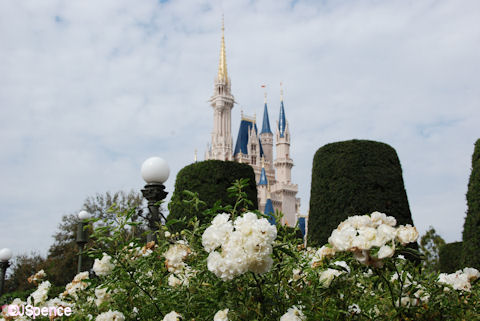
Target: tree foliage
{"points": [[210, 181], [354, 177], [61, 261], [450, 257], [430, 245], [471, 227], [22, 267]]}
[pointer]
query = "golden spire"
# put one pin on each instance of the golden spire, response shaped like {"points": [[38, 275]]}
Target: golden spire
{"points": [[195, 157], [222, 66], [281, 91], [263, 161]]}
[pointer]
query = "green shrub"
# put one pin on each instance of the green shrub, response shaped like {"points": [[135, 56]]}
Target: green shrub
{"points": [[471, 227], [354, 177], [450, 257], [210, 179]]}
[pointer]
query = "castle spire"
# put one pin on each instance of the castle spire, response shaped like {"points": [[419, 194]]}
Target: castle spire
{"points": [[263, 175], [281, 120], [222, 102], [222, 66], [266, 121]]}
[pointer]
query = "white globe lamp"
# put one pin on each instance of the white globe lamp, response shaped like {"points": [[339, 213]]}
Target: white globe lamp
{"points": [[83, 215], [5, 255], [155, 170]]}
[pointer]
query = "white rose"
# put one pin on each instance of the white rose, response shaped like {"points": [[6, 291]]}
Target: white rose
{"points": [[381, 218], [472, 273], [110, 316], [341, 240], [360, 242], [175, 255], [101, 295], [385, 233], [386, 251], [103, 266], [41, 294], [328, 275], [296, 274], [343, 264], [173, 281], [293, 314], [407, 234], [172, 316], [221, 315], [354, 309], [217, 233]]}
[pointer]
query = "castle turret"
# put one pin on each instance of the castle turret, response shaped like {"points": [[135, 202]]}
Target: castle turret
{"points": [[270, 211], [283, 163], [262, 188], [284, 189], [222, 102], [266, 137]]}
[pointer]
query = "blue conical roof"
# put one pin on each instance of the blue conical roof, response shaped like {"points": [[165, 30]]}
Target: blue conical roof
{"points": [[266, 121], [270, 211], [242, 138], [301, 225], [263, 177], [281, 120]]}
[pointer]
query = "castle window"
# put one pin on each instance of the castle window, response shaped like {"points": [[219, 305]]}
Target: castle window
{"points": [[254, 160]]}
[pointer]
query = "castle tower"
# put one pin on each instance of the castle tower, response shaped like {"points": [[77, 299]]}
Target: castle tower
{"points": [[266, 138], [262, 188], [284, 189], [283, 163], [222, 102]]}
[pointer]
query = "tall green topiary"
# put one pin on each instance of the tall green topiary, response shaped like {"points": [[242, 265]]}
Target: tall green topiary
{"points": [[354, 177], [450, 257], [210, 179], [471, 227]]}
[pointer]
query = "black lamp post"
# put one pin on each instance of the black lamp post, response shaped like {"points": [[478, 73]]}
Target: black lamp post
{"points": [[5, 256], [82, 236], [155, 172]]}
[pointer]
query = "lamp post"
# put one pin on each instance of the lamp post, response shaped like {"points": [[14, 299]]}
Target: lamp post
{"points": [[155, 172], [5, 256], [82, 236]]}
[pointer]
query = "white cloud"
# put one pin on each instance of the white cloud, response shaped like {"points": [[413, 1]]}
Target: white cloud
{"points": [[89, 89]]}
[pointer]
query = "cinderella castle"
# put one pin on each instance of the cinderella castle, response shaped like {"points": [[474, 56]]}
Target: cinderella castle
{"points": [[273, 175]]}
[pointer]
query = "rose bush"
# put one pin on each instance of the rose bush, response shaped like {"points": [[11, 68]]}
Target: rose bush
{"points": [[239, 267]]}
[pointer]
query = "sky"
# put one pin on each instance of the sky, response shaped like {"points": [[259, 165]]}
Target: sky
{"points": [[90, 89]]}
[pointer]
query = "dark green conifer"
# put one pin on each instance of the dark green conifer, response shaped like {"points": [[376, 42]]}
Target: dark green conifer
{"points": [[471, 227], [354, 177]]}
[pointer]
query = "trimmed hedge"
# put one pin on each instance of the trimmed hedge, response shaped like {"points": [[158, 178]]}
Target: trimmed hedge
{"points": [[210, 179], [354, 177], [450, 257], [471, 227]]}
